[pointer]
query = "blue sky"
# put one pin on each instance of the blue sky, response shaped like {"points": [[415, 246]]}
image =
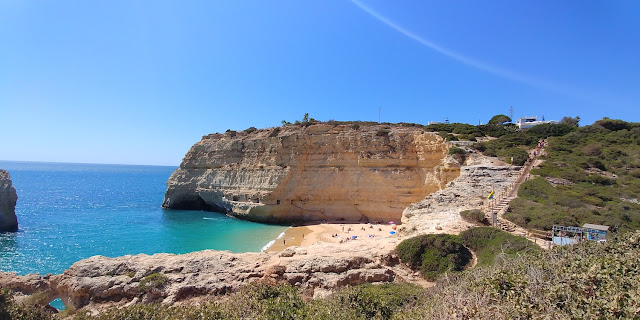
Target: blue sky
{"points": [[138, 82]]}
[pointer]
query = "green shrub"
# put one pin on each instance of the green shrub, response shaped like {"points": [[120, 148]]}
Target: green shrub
{"points": [[474, 216], [614, 124], [489, 242], [9, 309], [519, 155], [545, 130], [263, 300], [480, 146], [250, 129], [538, 189], [499, 119], [468, 137], [434, 254], [274, 132], [152, 281], [456, 150], [457, 128], [375, 301], [495, 130], [459, 154]]}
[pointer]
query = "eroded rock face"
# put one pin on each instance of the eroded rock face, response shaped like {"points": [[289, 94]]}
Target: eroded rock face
{"points": [[442, 209], [320, 172], [8, 199], [99, 282]]}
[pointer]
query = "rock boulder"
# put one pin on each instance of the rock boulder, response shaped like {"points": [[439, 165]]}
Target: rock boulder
{"points": [[8, 199]]}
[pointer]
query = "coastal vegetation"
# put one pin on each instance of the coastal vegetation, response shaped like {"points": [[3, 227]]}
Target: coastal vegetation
{"points": [[589, 280], [275, 132], [475, 216], [489, 243], [590, 175], [152, 281], [458, 153], [434, 254]]}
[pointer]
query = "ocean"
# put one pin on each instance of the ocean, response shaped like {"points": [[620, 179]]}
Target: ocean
{"points": [[68, 212]]}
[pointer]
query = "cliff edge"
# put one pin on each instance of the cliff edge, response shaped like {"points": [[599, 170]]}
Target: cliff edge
{"points": [[312, 173], [8, 199]]}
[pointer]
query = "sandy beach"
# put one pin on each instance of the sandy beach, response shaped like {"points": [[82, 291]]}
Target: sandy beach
{"points": [[305, 236]]}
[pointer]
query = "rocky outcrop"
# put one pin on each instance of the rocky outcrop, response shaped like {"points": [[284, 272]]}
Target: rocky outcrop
{"points": [[100, 282], [319, 172], [440, 211], [8, 199]]}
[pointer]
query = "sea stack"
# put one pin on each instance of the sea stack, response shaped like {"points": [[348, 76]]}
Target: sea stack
{"points": [[8, 199], [334, 172]]}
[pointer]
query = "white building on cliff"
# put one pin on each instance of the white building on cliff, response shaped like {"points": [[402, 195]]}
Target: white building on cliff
{"points": [[528, 122]]}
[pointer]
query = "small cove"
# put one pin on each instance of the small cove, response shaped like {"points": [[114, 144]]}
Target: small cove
{"points": [[68, 212]]}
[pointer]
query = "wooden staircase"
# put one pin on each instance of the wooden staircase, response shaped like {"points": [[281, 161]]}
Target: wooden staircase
{"points": [[500, 205]]}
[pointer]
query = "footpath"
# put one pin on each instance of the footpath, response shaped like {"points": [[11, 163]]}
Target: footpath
{"points": [[500, 204]]}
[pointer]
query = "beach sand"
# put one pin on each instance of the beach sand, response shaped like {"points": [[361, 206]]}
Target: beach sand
{"points": [[306, 236]]}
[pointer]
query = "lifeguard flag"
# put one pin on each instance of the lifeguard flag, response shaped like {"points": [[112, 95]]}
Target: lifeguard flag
{"points": [[490, 196]]}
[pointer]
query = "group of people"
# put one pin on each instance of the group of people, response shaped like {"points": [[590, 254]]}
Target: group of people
{"points": [[349, 229]]}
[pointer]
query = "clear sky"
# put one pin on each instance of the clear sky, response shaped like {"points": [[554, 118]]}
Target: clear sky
{"points": [[138, 82]]}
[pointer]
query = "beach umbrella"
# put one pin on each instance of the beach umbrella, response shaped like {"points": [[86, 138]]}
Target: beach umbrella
{"points": [[391, 222], [392, 232]]}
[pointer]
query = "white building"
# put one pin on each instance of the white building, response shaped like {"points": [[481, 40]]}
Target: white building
{"points": [[528, 122]]}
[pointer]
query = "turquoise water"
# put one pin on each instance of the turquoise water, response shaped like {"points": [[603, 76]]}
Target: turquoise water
{"points": [[68, 212]]}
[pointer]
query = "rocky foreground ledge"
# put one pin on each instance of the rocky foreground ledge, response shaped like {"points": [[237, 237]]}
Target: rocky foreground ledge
{"points": [[100, 282], [8, 199]]}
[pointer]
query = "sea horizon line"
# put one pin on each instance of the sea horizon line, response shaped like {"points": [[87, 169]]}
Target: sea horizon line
{"points": [[89, 163]]}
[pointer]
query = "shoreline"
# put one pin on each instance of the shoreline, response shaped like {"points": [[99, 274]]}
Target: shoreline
{"points": [[336, 232]]}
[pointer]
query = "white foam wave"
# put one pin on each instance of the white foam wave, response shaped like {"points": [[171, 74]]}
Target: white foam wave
{"points": [[266, 246]]}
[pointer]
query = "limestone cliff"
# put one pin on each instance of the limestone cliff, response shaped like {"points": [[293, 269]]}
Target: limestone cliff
{"points": [[319, 172], [8, 199]]}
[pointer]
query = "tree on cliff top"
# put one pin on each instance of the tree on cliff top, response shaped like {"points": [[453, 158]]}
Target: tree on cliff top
{"points": [[571, 121], [499, 119]]}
